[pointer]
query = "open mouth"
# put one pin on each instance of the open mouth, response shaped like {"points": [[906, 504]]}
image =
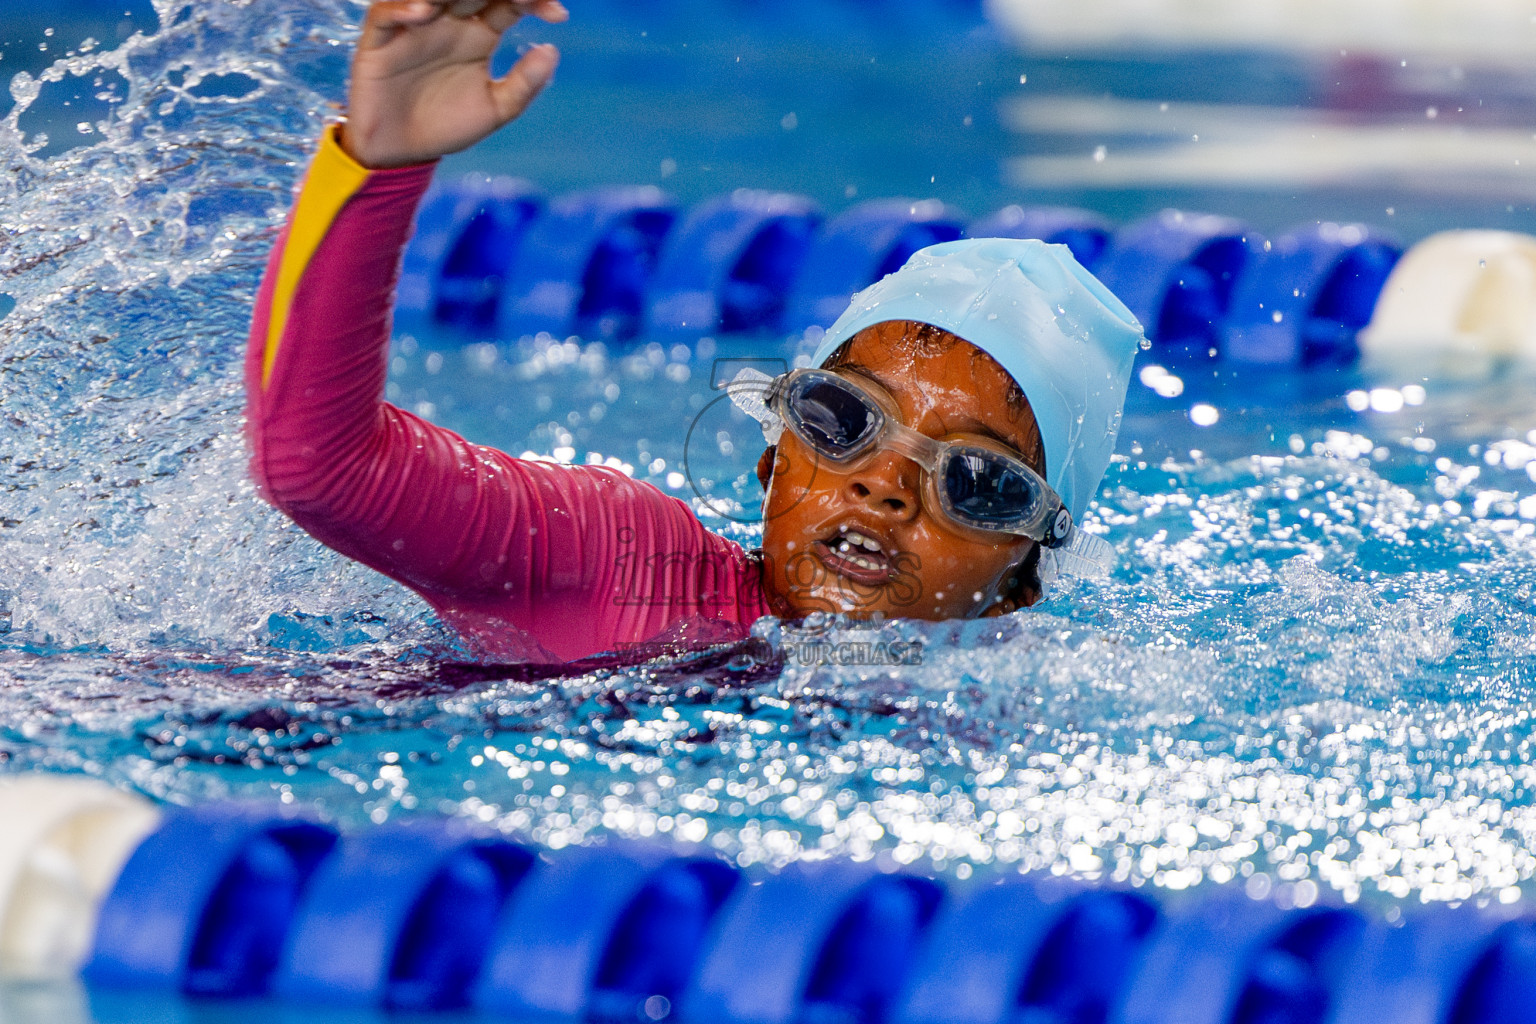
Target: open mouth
{"points": [[857, 556]]}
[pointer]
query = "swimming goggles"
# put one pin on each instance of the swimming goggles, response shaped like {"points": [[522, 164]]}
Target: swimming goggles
{"points": [[848, 424]]}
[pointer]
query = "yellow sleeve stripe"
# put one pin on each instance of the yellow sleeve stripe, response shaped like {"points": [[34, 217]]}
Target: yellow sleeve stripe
{"points": [[333, 178]]}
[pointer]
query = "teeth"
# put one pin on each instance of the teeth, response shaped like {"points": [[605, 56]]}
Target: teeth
{"points": [[858, 560], [855, 537], [847, 551]]}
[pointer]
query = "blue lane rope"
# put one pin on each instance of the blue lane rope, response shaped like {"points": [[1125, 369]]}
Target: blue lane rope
{"points": [[399, 917], [1308, 295], [492, 257], [730, 263], [1049, 950], [828, 942], [1176, 271], [241, 901], [204, 904]]}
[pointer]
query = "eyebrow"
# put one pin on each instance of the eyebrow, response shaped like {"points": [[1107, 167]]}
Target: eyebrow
{"points": [[977, 426]]}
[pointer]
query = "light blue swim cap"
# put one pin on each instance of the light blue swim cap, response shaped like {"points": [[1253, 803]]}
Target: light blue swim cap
{"points": [[1066, 340]]}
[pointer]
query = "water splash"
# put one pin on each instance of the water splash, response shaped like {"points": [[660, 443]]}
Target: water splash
{"points": [[131, 260], [1313, 668]]}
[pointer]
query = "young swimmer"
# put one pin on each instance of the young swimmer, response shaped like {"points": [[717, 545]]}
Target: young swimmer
{"points": [[932, 464]]}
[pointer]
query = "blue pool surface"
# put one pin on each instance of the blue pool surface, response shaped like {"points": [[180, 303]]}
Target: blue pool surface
{"points": [[1311, 673]]}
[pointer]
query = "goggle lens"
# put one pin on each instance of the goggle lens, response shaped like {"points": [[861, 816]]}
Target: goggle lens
{"points": [[986, 491], [837, 420]]}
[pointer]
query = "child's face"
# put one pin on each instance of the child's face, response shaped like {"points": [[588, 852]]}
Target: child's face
{"points": [[929, 567]]}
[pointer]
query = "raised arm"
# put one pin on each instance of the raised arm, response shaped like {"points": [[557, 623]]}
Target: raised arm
{"points": [[531, 559]]}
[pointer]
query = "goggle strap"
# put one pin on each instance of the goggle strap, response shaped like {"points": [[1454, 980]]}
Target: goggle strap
{"points": [[1083, 555], [749, 391]]}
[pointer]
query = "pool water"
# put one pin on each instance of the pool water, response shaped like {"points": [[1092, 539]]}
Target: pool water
{"points": [[1312, 670]]}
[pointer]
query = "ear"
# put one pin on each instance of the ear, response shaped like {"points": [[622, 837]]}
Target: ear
{"points": [[1021, 587], [765, 464]]}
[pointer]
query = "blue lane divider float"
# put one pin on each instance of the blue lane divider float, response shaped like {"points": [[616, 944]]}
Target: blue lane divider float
{"points": [[1176, 271], [400, 917], [584, 265], [602, 933], [860, 246], [1445, 968], [1308, 295], [204, 904], [1026, 950], [826, 943], [231, 901], [1085, 233], [467, 234], [729, 265], [1230, 958]]}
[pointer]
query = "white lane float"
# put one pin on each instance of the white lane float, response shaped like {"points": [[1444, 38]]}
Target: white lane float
{"points": [[63, 842], [1489, 28], [1462, 299]]}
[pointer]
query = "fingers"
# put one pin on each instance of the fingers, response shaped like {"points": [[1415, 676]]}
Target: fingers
{"points": [[552, 11], [387, 17], [501, 15], [526, 80]]}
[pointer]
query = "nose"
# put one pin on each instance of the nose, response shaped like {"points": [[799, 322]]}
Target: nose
{"points": [[886, 485]]}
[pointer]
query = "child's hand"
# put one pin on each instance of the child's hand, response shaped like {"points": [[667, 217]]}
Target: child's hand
{"points": [[421, 80]]}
